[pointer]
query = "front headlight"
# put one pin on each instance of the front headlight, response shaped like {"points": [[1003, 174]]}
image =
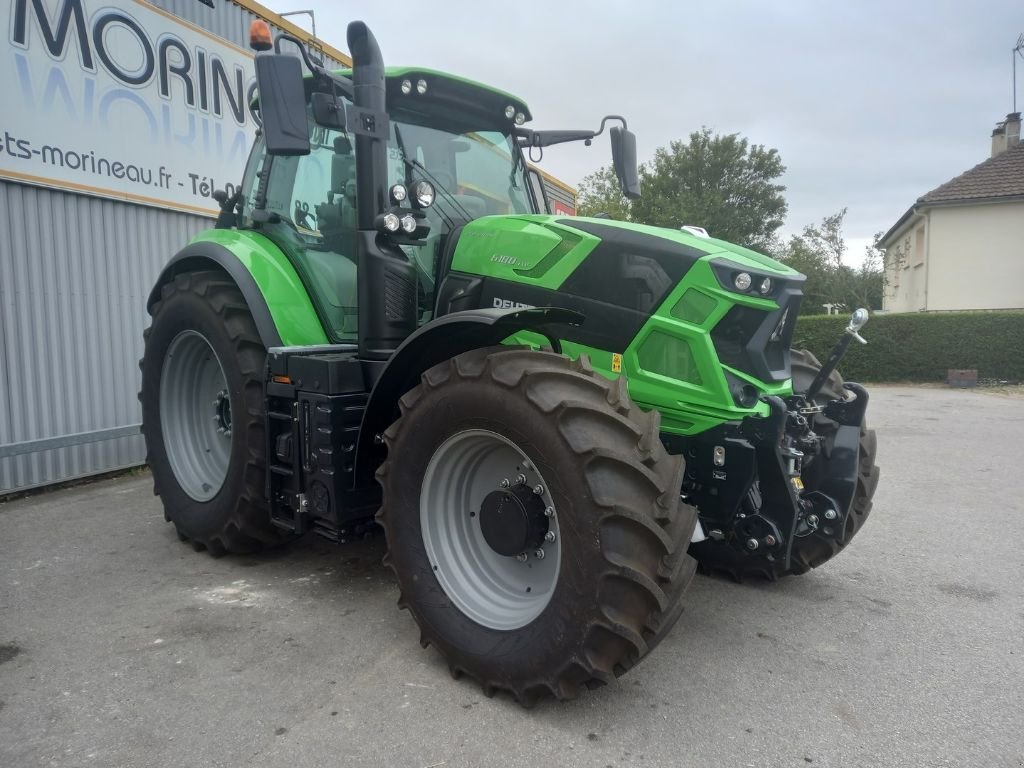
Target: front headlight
{"points": [[742, 281], [391, 222], [423, 194]]}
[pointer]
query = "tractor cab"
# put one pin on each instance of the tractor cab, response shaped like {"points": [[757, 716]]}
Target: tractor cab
{"points": [[451, 157], [364, 179]]}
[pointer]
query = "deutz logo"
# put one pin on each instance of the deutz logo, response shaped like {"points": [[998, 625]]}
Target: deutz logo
{"points": [[509, 304]]}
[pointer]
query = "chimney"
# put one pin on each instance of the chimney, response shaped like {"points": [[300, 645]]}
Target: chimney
{"points": [[1006, 134]]}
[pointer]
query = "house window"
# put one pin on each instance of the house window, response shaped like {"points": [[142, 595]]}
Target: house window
{"points": [[918, 258]]}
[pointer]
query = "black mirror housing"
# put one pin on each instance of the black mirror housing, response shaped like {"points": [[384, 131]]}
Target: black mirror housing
{"points": [[624, 161], [282, 104], [328, 111]]}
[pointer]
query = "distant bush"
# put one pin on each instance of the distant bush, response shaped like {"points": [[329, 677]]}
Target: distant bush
{"points": [[922, 346]]}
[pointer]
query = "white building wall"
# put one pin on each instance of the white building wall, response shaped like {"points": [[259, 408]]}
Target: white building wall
{"points": [[976, 257]]}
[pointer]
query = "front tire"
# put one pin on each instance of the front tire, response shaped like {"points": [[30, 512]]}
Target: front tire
{"points": [[611, 582], [203, 414]]}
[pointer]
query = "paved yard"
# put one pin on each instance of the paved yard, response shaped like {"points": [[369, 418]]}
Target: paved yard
{"points": [[119, 646]]}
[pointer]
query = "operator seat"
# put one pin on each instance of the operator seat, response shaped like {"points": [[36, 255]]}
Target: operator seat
{"points": [[338, 219]]}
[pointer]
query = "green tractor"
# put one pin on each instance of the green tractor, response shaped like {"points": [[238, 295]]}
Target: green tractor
{"points": [[552, 418]]}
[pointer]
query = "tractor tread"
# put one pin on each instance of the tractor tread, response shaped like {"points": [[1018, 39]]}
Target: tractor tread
{"points": [[643, 568], [246, 528]]}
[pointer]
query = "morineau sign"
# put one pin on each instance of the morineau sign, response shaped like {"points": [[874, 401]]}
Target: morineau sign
{"points": [[121, 99]]}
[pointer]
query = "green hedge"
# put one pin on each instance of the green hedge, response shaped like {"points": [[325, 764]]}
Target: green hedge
{"points": [[922, 346]]}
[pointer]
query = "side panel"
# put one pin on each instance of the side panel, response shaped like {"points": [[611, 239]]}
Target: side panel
{"points": [[275, 294]]}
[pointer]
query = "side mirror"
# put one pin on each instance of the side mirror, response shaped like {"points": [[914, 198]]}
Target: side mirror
{"points": [[539, 193], [282, 104], [328, 111], [624, 161]]}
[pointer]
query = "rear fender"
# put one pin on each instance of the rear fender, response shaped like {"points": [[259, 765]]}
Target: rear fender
{"points": [[433, 343], [278, 300]]}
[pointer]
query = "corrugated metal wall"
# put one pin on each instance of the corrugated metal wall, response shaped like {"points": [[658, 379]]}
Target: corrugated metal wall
{"points": [[226, 20], [74, 275]]}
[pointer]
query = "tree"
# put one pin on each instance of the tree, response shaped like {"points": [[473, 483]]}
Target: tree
{"points": [[721, 183], [599, 192], [818, 252]]}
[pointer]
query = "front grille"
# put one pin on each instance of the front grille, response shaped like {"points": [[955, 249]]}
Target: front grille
{"points": [[757, 342]]}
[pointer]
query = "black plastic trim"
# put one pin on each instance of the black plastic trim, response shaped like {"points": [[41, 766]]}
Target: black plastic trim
{"points": [[203, 255], [598, 271], [437, 341]]}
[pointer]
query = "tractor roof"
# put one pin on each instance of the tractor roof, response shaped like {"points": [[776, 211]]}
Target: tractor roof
{"points": [[458, 91], [461, 88]]}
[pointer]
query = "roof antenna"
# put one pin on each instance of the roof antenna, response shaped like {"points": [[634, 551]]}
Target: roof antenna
{"points": [[1018, 49]]}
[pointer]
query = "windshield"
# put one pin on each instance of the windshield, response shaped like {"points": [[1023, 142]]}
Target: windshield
{"points": [[475, 172]]}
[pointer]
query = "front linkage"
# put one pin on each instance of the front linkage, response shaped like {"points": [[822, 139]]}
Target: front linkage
{"points": [[763, 483]]}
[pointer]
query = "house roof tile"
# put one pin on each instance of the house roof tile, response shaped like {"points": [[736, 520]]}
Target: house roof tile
{"points": [[999, 176]]}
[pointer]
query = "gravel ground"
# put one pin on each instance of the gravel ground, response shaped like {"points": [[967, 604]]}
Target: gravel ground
{"points": [[119, 646]]}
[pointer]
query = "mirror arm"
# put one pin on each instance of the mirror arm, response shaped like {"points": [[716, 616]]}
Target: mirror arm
{"points": [[527, 137], [320, 74]]}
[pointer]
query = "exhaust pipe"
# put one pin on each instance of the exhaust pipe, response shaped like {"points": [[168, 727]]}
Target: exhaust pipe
{"points": [[386, 278], [369, 99]]}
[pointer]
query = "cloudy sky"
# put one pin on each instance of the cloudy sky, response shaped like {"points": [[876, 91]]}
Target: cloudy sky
{"points": [[871, 104]]}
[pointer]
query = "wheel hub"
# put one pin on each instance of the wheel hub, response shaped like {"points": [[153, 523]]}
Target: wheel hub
{"points": [[513, 520]]}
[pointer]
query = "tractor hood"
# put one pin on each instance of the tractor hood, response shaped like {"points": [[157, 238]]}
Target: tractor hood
{"points": [[622, 276], [551, 248]]}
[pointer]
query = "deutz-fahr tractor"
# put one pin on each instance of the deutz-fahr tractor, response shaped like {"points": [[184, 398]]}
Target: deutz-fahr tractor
{"points": [[553, 419]]}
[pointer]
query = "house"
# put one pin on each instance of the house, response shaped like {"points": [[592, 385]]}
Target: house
{"points": [[961, 246]]}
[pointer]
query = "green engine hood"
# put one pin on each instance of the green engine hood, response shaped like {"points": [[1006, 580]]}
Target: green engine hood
{"points": [[549, 248]]}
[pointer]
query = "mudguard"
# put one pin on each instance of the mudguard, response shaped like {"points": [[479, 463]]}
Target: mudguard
{"points": [[433, 343], [279, 303]]}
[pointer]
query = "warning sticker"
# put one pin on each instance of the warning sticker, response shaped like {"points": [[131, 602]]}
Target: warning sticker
{"points": [[616, 362]]}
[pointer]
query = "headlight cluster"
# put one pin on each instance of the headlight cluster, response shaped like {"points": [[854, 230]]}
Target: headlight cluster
{"points": [[518, 117], [421, 86], [399, 219]]}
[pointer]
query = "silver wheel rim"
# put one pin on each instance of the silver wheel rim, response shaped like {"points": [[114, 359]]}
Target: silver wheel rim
{"points": [[496, 591], [195, 415]]}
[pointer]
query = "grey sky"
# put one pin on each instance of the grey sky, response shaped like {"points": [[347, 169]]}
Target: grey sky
{"points": [[870, 104]]}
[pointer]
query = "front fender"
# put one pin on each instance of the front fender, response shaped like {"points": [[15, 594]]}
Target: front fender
{"points": [[278, 300], [433, 343]]}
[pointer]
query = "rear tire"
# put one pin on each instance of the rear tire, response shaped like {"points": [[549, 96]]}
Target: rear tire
{"points": [[811, 551], [203, 415], [622, 530]]}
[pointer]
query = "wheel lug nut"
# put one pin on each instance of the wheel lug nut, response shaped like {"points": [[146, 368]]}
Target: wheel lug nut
{"points": [[831, 514], [504, 483], [549, 536], [520, 479], [812, 520], [539, 490], [521, 557], [549, 512], [539, 554], [753, 543], [769, 540]]}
